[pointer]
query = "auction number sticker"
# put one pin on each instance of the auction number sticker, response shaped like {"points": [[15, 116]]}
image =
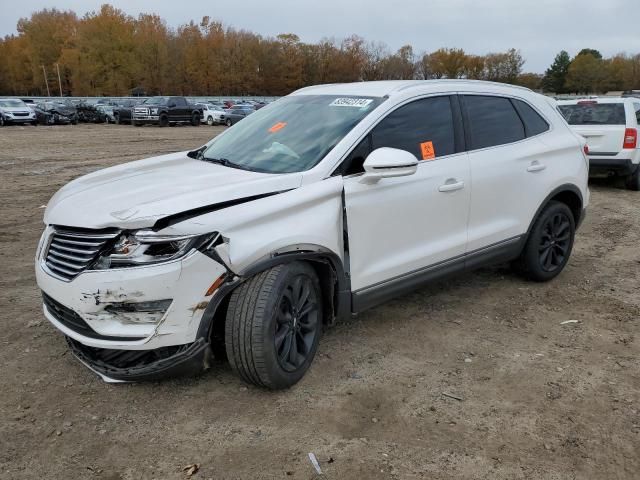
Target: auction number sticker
{"points": [[351, 102], [428, 153]]}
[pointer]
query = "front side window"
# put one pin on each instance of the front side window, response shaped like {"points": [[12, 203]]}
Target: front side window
{"points": [[290, 135], [423, 127], [492, 121]]}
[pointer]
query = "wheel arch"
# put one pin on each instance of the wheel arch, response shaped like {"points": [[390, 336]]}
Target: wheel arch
{"points": [[570, 195], [334, 282]]}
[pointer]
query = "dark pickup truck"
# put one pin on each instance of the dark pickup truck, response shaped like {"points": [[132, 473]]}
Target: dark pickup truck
{"points": [[165, 111]]}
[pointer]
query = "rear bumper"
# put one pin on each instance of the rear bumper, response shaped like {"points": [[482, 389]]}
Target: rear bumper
{"points": [[619, 166]]}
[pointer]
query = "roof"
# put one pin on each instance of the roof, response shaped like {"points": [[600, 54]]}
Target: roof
{"points": [[383, 88]]}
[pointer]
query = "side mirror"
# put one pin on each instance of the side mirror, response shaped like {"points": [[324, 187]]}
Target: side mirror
{"points": [[388, 162]]}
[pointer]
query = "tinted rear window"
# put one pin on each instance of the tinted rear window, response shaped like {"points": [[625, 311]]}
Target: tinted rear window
{"points": [[594, 113], [493, 121], [534, 124]]}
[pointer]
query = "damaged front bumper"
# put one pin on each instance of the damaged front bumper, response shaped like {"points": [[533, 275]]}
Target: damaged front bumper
{"points": [[98, 313], [115, 366]]}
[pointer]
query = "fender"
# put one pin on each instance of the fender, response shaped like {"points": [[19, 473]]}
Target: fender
{"points": [[341, 301], [567, 187]]}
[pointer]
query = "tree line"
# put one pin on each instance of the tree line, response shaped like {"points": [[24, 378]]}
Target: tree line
{"points": [[111, 53]]}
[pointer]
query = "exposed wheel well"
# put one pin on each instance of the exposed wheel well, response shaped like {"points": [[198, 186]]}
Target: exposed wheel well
{"points": [[571, 200], [328, 275]]}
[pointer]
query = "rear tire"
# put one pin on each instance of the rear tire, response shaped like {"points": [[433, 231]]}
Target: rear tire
{"points": [[633, 180], [273, 325], [549, 244]]}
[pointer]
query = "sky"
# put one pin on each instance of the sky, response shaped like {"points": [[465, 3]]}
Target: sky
{"points": [[538, 28]]}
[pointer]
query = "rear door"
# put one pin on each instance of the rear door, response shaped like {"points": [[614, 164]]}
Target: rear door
{"points": [[509, 171], [602, 124]]}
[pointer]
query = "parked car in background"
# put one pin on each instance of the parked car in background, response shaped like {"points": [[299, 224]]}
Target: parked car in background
{"points": [[56, 113], [123, 112], [235, 114], [212, 114], [164, 111], [106, 113], [331, 201], [15, 111], [610, 126]]}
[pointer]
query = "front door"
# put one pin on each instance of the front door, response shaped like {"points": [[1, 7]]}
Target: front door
{"points": [[398, 228]]}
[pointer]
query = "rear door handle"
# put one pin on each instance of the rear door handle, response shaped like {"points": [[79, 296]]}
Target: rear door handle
{"points": [[536, 166], [451, 185]]}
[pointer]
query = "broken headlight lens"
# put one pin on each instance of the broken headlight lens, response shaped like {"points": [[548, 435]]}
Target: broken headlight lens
{"points": [[146, 247]]}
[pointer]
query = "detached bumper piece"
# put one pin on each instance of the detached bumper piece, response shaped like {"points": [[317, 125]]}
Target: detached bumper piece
{"points": [[144, 365]]}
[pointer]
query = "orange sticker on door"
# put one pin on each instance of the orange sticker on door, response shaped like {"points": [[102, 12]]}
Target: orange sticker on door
{"points": [[428, 153], [277, 126]]}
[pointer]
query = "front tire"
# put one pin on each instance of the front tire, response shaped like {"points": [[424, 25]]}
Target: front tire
{"points": [[633, 180], [163, 121], [195, 120], [550, 243], [210, 121], [228, 122], [273, 325]]}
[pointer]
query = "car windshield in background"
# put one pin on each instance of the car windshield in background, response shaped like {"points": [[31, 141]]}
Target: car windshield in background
{"points": [[11, 103], [292, 134], [156, 101], [593, 113]]}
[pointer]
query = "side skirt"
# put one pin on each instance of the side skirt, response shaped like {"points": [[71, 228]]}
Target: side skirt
{"points": [[376, 294]]}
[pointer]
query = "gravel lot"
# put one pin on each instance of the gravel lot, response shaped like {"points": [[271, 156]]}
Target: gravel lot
{"points": [[539, 399]]}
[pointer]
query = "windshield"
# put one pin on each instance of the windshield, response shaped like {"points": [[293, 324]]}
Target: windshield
{"points": [[156, 101], [292, 134], [12, 103], [592, 113]]}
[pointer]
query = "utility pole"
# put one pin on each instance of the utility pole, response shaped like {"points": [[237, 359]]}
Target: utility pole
{"points": [[59, 81], [46, 81]]}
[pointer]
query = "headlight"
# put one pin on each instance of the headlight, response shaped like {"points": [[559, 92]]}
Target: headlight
{"points": [[146, 247], [154, 111]]}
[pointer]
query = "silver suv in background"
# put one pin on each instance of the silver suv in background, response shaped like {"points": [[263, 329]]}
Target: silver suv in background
{"points": [[13, 110], [610, 126]]}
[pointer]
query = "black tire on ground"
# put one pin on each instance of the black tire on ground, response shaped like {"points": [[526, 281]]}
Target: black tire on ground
{"points": [[136, 124], [209, 120], [633, 180], [195, 119], [273, 325], [116, 119], [34, 123], [1, 121], [549, 244], [228, 122], [163, 121]]}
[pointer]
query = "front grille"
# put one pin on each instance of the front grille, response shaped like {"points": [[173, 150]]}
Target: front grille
{"points": [[73, 321], [71, 252], [20, 114]]}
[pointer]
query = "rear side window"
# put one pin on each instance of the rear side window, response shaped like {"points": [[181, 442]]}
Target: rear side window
{"points": [[534, 124], [423, 127], [492, 121], [636, 107], [593, 113]]}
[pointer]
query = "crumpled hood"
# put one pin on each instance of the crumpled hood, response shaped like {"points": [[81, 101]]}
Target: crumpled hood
{"points": [[137, 194]]}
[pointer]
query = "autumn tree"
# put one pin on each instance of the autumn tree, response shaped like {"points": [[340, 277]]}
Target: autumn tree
{"points": [[448, 63], [585, 74]]}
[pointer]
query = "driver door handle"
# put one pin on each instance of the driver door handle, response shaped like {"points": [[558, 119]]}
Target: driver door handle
{"points": [[451, 185], [536, 166]]}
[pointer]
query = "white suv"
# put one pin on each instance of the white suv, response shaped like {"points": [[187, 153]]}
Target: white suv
{"points": [[212, 114], [610, 126], [325, 203]]}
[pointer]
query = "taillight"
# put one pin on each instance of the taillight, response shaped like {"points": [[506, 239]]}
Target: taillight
{"points": [[630, 138]]}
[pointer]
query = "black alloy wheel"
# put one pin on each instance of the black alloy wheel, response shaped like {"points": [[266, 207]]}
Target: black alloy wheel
{"points": [[297, 323], [554, 242]]}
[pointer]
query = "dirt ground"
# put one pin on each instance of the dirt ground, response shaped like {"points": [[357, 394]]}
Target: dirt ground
{"points": [[538, 399]]}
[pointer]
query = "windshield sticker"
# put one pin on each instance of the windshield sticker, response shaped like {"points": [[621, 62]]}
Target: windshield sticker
{"points": [[277, 126], [428, 153], [351, 102]]}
